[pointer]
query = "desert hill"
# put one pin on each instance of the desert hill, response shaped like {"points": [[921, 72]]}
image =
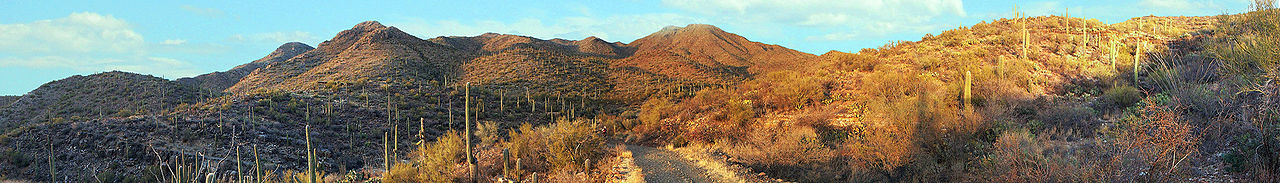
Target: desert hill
{"points": [[375, 86], [218, 81], [102, 95]]}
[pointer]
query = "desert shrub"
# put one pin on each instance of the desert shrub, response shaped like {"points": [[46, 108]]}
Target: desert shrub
{"points": [[655, 123], [1119, 97], [1016, 157], [487, 132], [1256, 144], [526, 144], [1246, 43], [863, 61], [1069, 116], [440, 163], [876, 152], [15, 158], [727, 115], [817, 115], [790, 152], [403, 173], [1153, 143], [789, 89], [570, 143]]}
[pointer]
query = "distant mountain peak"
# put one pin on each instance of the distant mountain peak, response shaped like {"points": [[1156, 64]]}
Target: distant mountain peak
{"points": [[368, 26], [705, 48], [691, 28], [593, 39], [284, 52], [218, 81], [293, 46]]}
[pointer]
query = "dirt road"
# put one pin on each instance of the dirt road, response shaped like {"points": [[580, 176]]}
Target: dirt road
{"points": [[661, 165]]}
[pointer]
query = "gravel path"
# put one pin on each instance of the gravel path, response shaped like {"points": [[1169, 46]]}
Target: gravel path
{"points": [[659, 165]]}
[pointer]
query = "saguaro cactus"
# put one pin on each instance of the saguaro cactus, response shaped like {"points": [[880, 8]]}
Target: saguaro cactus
{"points": [[968, 87], [386, 154], [257, 165], [1137, 55], [311, 157], [466, 115]]}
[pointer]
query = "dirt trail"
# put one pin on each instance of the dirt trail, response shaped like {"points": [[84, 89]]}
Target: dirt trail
{"points": [[661, 165]]}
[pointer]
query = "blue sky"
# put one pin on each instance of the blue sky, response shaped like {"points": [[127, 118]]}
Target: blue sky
{"points": [[42, 41]]}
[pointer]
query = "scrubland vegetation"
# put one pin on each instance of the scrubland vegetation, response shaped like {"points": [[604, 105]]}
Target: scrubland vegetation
{"points": [[1174, 101], [1021, 99]]}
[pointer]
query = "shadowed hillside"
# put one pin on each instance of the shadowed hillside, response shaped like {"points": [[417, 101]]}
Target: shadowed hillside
{"points": [[102, 95]]}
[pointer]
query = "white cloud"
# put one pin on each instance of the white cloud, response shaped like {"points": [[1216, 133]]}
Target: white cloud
{"points": [[208, 12], [613, 28], [76, 33], [1180, 6], [275, 37], [834, 36], [878, 17], [84, 42], [174, 42]]}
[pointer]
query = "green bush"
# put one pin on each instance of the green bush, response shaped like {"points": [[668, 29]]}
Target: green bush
{"points": [[1246, 43], [434, 162], [15, 158], [570, 143], [1119, 97]]}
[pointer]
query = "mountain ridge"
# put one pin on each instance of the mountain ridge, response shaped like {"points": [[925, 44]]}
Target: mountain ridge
{"points": [[219, 81]]}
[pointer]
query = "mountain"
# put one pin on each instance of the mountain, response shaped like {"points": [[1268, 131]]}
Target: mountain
{"points": [[370, 55], [6, 100], [703, 52], [218, 81], [595, 45], [108, 94], [350, 89], [367, 52]]}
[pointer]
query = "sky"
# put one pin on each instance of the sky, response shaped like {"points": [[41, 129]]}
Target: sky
{"points": [[42, 41]]}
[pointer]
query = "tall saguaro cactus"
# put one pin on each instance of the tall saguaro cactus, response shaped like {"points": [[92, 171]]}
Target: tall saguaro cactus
{"points": [[311, 157], [968, 87], [1137, 55], [386, 154], [466, 115]]}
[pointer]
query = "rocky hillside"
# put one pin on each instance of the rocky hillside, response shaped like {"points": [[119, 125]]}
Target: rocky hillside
{"points": [[945, 107], [371, 55], [102, 95], [6, 100], [219, 81], [366, 82], [702, 52], [368, 52]]}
